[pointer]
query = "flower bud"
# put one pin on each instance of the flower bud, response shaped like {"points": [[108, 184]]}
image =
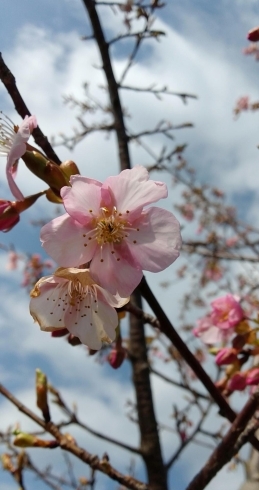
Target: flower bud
{"points": [[41, 394], [9, 217], [226, 356], [116, 357], [253, 35], [69, 168], [59, 333], [73, 340], [7, 462], [253, 377], [237, 382], [45, 170], [28, 440]]}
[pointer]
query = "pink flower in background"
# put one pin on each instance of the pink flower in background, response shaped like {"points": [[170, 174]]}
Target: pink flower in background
{"points": [[230, 242], [209, 333], [13, 258], [226, 312], [108, 225], [13, 141], [213, 271], [71, 299]]}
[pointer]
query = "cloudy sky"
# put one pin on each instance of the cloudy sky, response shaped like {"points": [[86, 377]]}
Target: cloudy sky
{"points": [[200, 54]]}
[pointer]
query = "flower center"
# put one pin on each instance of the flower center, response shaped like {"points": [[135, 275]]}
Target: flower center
{"points": [[78, 292], [7, 133], [110, 228]]}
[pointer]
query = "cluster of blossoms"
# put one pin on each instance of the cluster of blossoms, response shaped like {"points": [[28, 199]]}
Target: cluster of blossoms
{"points": [[228, 323], [34, 266], [102, 244], [108, 226]]}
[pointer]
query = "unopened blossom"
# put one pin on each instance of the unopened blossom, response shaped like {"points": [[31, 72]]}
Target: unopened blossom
{"points": [[252, 377], [117, 356], [253, 34], [109, 225], [13, 141], [9, 217], [226, 311], [227, 355], [237, 382], [71, 299]]}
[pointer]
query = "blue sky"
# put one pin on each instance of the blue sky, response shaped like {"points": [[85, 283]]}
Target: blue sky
{"points": [[201, 54]]}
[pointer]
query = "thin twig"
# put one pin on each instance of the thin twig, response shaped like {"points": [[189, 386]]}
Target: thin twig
{"points": [[67, 444]]}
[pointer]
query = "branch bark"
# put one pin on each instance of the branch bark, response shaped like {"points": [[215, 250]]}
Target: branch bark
{"points": [[226, 449], [150, 444]]}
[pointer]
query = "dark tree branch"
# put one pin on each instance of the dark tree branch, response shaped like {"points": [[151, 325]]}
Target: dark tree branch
{"points": [[112, 84], [226, 449], [10, 84], [150, 444]]}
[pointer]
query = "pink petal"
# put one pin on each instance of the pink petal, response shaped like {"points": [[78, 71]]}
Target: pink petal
{"points": [[48, 308], [158, 240], [114, 300], [94, 326], [17, 151], [83, 200], [132, 191], [68, 242], [117, 272]]}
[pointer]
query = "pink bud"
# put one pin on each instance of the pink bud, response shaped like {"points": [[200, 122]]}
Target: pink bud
{"points": [[253, 377], [237, 382], [59, 333], [8, 215], [116, 357], [253, 35], [226, 356]]}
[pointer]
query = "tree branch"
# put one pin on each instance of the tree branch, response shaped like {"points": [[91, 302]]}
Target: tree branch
{"points": [[67, 444], [9, 82], [226, 449]]}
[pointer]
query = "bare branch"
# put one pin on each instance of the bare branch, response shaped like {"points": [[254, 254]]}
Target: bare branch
{"points": [[69, 445], [226, 449], [10, 84]]}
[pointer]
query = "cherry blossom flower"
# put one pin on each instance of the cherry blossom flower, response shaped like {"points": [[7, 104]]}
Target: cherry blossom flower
{"points": [[71, 299], [108, 225], [226, 311], [13, 141], [12, 263], [209, 333]]}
